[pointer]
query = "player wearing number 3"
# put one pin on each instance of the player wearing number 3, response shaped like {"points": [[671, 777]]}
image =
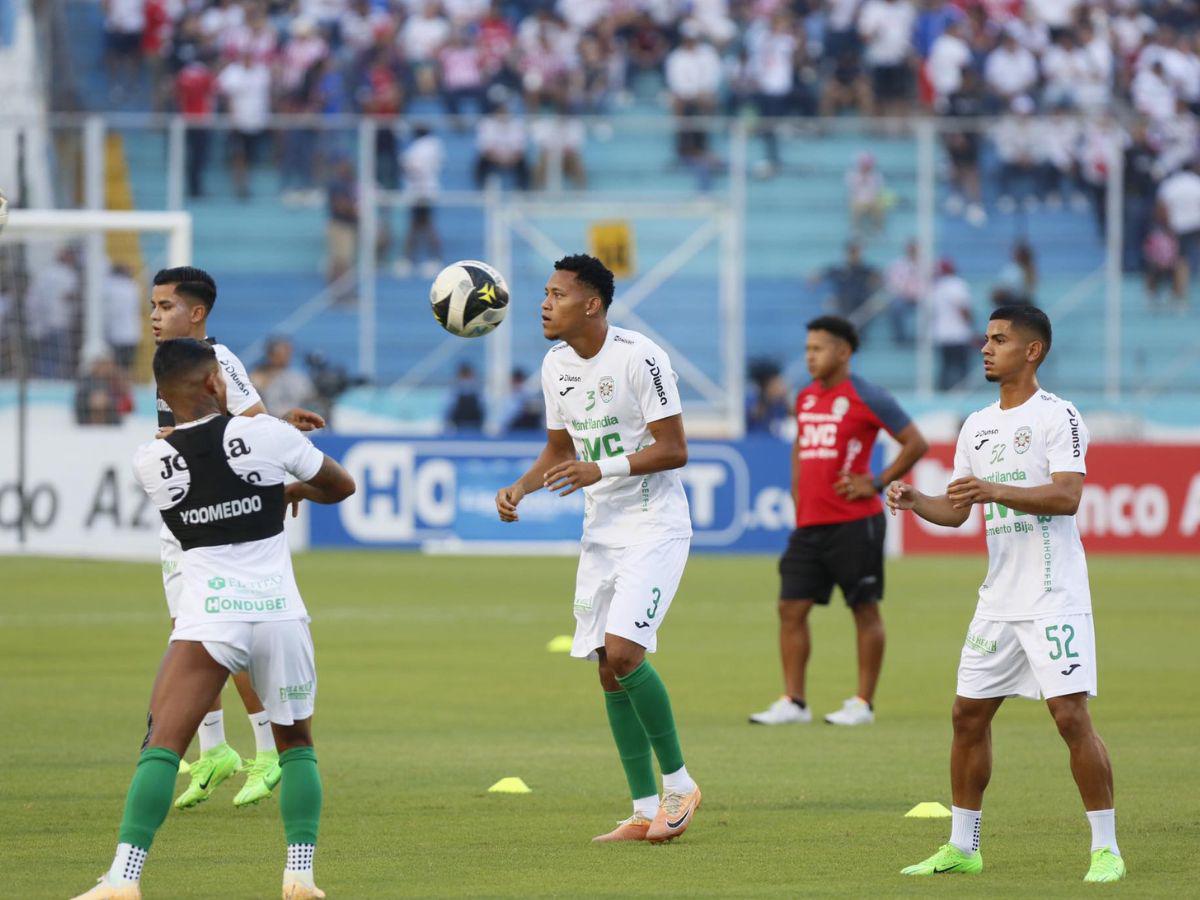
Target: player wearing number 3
{"points": [[1022, 460], [614, 427]]}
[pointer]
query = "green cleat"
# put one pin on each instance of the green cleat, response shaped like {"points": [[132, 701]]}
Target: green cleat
{"points": [[1106, 866], [261, 778], [949, 860], [213, 767]]}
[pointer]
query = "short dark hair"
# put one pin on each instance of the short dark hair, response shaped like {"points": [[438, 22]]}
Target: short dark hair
{"points": [[179, 357], [590, 272], [1027, 318], [193, 283], [838, 327]]}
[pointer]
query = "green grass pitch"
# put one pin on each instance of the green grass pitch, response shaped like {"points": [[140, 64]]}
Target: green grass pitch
{"points": [[435, 683]]}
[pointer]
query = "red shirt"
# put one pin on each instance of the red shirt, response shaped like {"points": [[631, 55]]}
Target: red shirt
{"points": [[837, 431], [194, 87]]}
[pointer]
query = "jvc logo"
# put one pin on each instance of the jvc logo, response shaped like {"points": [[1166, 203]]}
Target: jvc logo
{"points": [[821, 435], [607, 445]]}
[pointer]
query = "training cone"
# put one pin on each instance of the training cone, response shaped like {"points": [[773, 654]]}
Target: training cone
{"points": [[560, 644], [928, 810], [510, 785], [184, 768]]}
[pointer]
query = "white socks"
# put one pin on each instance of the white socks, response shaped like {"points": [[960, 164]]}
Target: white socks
{"points": [[964, 828], [646, 806], [679, 781], [1104, 829], [264, 740], [212, 730], [127, 865], [300, 864]]}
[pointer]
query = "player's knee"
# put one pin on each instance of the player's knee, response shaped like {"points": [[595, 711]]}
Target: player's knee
{"points": [[866, 613], [793, 612], [968, 718], [1073, 722], [624, 659], [608, 678]]}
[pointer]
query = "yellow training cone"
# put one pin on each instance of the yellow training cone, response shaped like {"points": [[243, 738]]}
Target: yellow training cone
{"points": [[560, 644], [928, 810], [513, 785]]}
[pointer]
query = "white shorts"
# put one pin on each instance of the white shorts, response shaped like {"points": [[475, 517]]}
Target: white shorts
{"points": [[625, 591], [171, 554], [278, 656], [1033, 658]]}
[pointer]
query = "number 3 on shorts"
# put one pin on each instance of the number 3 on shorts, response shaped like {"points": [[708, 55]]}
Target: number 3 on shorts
{"points": [[1064, 645]]}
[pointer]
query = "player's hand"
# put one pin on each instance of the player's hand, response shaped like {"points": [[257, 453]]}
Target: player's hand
{"points": [[292, 495], [303, 419], [965, 491], [900, 495], [163, 432], [851, 486], [507, 499], [568, 477]]}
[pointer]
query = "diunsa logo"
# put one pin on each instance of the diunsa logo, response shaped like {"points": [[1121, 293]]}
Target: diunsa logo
{"points": [[656, 374], [1073, 421]]}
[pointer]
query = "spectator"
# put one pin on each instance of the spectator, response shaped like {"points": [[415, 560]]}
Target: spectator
{"points": [[962, 148], [246, 86], [886, 27], [422, 164], [122, 315], [841, 35], [195, 95], [361, 24], [847, 88], [461, 65], [281, 387], [768, 410], [772, 66], [381, 94], [852, 283], [1017, 281], [951, 326], [869, 199], [948, 57], [1011, 70], [102, 397], [1161, 251], [1152, 93], [525, 409], [1056, 15], [559, 141], [693, 73], [51, 301], [1140, 172], [423, 37], [124, 21], [500, 141], [1018, 145], [1179, 198], [465, 412], [342, 229], [903, 280]]}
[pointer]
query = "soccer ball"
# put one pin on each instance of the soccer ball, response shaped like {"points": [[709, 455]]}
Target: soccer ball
{"points": [[469, 298]]}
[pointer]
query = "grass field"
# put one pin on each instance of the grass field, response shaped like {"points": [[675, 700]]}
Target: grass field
{"points": [[435, 682]]}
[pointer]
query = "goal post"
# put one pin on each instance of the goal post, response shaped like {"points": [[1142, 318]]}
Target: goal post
{"points": [[101, 231]]}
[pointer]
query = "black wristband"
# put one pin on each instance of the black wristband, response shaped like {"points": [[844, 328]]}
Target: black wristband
{"points": [[878, 484]]}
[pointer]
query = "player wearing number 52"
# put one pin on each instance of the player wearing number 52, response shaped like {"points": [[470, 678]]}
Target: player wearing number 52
{"points": [[614, 428], [1023, 460]]}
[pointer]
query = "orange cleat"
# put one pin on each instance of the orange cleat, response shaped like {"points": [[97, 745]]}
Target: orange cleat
{"points": [[632, 829], [674, 815]]}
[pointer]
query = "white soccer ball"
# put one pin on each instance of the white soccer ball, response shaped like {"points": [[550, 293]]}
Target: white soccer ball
{"points": [[469, 298]]}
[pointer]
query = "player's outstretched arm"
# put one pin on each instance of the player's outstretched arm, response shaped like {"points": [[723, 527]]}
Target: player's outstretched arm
{"points": [[559, 448], [939, 510], [1058, 498], [331, 484]]}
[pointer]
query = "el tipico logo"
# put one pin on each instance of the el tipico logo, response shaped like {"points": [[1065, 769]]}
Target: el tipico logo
{"points": [[216, 583], [296, 691]]}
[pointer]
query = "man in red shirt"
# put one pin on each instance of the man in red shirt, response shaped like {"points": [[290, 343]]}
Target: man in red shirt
{"points": [[839, 518], [195, 93]]}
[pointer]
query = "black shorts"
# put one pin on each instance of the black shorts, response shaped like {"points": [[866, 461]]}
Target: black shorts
{"points": [[890, 82], [848, 554]]}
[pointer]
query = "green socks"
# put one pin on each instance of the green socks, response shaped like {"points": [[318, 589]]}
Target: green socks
{"points": [[149, 796], [632, 744], [300, 795], [648, 695]]}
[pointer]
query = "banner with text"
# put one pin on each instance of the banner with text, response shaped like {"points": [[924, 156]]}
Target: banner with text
{"points": [[1137, 498], [440, 494]]}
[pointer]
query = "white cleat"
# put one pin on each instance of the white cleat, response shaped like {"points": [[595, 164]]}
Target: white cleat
{"points": [[298, 890], [106, 890], [783, 711], [854, 711]]}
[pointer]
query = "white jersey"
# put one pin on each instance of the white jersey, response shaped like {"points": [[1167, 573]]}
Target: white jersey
{"points": [[606, 404], [244, 582], [1036, 565]]}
